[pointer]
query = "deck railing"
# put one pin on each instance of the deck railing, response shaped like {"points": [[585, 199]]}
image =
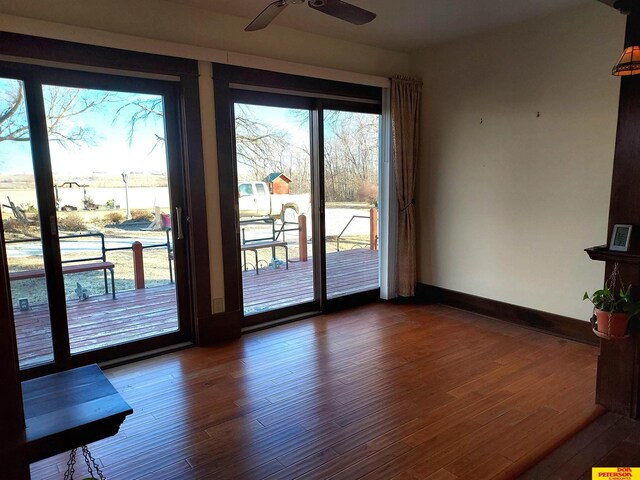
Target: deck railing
{"points": [[277, 234], [102, 256], [373, 230], [138, 263], [136, 247]]}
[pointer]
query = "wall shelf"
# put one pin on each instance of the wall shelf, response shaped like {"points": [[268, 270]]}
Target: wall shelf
{"points": [[602, 253]]}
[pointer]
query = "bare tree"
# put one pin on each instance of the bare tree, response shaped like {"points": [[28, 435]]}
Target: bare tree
{"points": [[260, 147], [351, 156], [61, 105], [299, 170], [143, 110], [350, 153], [13, 125]]}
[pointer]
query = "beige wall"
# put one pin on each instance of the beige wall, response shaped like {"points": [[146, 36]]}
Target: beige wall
{"points": [[507, 200], [157, 26]]}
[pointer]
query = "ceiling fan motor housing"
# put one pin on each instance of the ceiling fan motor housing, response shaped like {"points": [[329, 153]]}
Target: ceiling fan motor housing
{"points": [[335, 8], [625, 6]]}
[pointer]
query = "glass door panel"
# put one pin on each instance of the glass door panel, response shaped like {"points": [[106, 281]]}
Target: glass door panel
{"points": [[109, 164], [274, 201], [21, 225], [351, 202]]}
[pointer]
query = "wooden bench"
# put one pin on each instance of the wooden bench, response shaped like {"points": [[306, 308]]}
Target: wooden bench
{"points": [[255, 246], [73, 268]]}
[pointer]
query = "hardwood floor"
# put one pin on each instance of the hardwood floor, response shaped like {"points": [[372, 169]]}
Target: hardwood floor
{"points": [[378, 392], [611, 441]]}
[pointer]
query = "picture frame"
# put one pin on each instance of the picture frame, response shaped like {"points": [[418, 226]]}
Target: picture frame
{"points": [[620, 238]]}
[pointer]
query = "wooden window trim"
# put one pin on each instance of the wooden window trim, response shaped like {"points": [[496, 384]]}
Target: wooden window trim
{"points": [[228, 82], [102, 59]]}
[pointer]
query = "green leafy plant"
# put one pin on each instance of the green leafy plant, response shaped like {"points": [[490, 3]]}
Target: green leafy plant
{"points": [[606, 300]]}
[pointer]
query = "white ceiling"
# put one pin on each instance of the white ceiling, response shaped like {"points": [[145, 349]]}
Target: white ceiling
{"points": [[400, 24]]}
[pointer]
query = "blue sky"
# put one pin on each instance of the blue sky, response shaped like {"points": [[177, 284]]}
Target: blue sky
{"points": [[109, 150]]}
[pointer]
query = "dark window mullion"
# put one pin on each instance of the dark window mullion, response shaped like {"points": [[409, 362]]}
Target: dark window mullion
{"points": [[175, 174], [317, 187], [48, 225]]}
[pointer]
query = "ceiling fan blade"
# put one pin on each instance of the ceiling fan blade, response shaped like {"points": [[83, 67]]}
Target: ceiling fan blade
{"points": [[266, 16], [343, 10]]}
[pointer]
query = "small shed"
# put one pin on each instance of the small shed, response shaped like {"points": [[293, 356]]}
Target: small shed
{"points": [[278, 183]]}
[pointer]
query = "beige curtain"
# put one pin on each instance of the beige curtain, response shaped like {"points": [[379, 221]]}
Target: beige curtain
{"points": [[405, 116]]}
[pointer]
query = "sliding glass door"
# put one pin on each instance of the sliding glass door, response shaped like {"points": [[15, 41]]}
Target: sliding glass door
{"points": [[92, 215], [113, 211], [22, 229], [304, 172], [273, 164], [351, 157]]}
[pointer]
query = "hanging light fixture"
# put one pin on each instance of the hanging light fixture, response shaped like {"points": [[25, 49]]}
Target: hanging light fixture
{"points": [[629, 63]]}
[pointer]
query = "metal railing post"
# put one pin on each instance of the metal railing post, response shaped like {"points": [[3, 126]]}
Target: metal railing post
{"points": [[347, 226]]}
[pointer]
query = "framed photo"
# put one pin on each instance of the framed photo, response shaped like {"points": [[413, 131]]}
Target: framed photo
{"points": [[620, 238]]}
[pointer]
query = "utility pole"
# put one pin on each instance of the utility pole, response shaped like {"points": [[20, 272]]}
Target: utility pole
{"points": [[125, 179]]}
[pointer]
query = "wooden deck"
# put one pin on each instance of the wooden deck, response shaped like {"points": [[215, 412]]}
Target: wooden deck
{"points": [[101, 321], [98, 322], [348, 271]]}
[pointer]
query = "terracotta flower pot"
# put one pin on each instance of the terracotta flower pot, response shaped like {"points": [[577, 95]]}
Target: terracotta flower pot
{"points": [[618, 326]]}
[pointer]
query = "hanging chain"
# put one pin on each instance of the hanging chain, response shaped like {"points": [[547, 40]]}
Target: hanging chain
{"points": [[68, 475], [613, 278], [89, 460], [611, 285]]}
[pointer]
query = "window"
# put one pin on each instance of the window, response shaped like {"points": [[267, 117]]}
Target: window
{"points": [[69, 273], [306, 132]]}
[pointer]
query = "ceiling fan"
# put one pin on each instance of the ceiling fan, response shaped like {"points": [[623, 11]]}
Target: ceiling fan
{"points": [[335, 8]]}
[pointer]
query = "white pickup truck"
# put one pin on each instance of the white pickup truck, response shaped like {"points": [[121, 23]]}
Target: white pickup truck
{"points": [[255, 201]]}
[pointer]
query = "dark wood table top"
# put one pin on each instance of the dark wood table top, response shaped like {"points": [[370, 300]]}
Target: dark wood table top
{"points": [[69, 409]]}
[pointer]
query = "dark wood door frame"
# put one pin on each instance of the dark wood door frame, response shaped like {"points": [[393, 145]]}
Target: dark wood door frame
{"points": [[300, 91], [187, 141], [618, 377], [12, 426]]}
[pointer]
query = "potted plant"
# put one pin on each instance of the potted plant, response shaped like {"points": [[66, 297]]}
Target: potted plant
{"points": [[611, 313]]}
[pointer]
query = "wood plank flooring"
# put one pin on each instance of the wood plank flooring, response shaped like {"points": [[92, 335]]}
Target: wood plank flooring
{"points": [[611, 441], [379, 392]]}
